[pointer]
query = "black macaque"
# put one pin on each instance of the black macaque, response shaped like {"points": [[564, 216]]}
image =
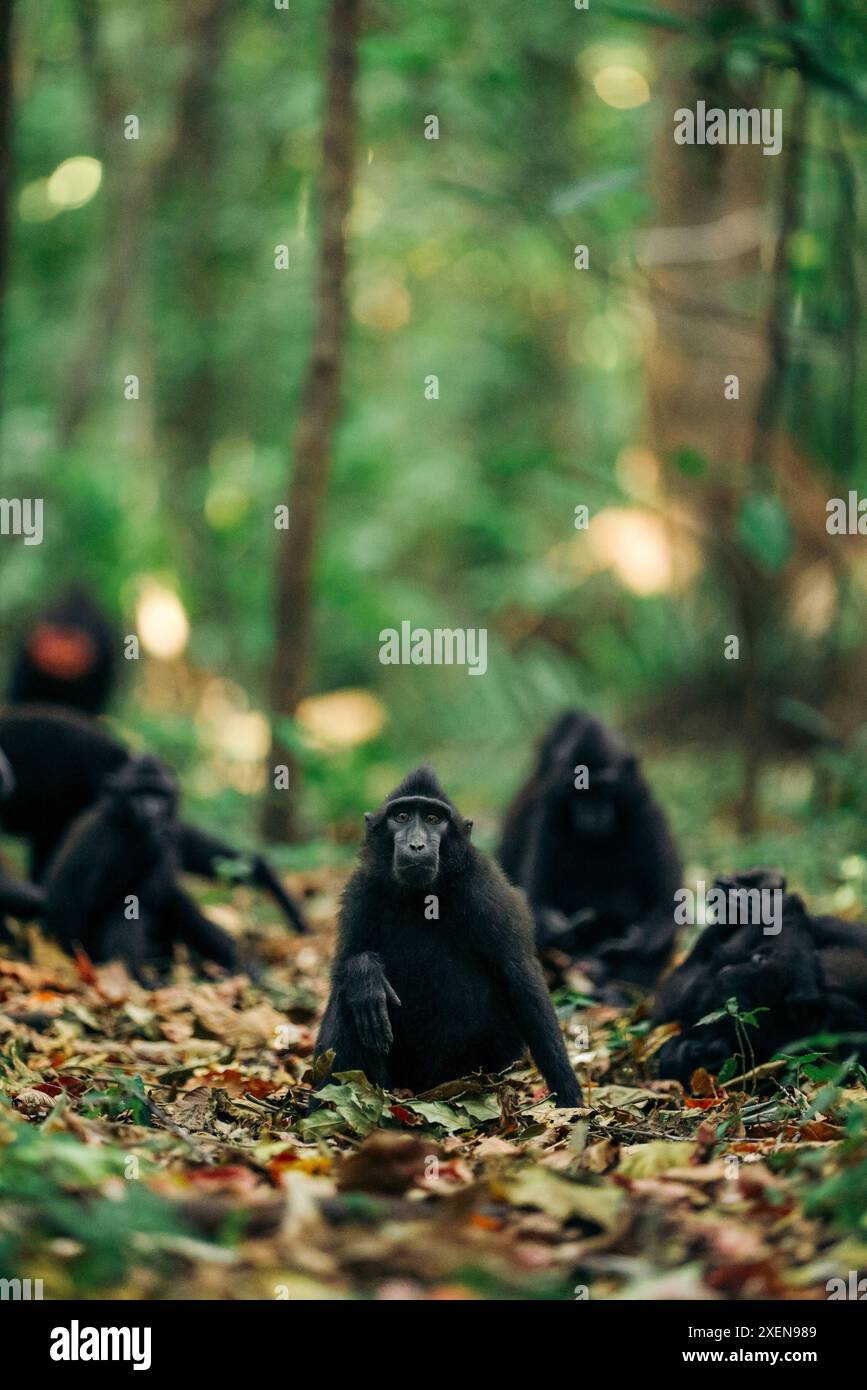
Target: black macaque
{"points": [[59, 761], [68, 656], [723, 941], [842, 951], [112, 887], [435, 974], [809, 975], [594, 855], [19, 899], [22, 900]]}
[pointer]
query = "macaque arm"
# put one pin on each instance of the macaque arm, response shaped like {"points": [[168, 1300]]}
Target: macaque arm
{"points": [[531, 1006], [201, 854]]}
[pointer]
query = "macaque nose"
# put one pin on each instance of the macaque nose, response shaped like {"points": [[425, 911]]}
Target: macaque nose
{"points": [[417, 845]]}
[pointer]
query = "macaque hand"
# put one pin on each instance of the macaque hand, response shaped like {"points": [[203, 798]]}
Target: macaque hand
{"points": [[370, 1012]]}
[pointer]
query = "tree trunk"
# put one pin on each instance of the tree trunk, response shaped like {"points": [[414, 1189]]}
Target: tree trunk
{"points": [[320, 404], [6, 11], [758, 595], [183, 166], [189, 386], [712, 207], [127, 196], [6, 111]]}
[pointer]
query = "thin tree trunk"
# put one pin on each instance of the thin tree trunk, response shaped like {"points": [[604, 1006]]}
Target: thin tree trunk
{"points": [[127, 199], [697, 190], [190, 390], [320, 404], [6, 119], [185, 163], [758, 596], [123, 260], [6, 13]]}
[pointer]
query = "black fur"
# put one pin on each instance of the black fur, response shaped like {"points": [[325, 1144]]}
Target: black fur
{"points": [[19, 899], [417, 1001], [603, 892], [810, 976], [112, 887], [59, 762], [73, 629]]}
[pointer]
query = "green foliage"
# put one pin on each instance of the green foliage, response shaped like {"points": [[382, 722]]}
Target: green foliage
{"points": [[765, 531], [55, 1187], [356, 1107], [453, 512], [125, 1099], [842, 1196]]}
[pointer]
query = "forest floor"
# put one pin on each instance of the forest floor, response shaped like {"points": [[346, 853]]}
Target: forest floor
{"points": [[153, 1144]]}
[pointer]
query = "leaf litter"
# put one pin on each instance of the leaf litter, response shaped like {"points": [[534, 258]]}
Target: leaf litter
{"points": [[156, 1144]]}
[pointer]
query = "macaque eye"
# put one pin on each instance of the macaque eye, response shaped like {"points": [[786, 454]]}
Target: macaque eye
{"points": [[433, 819], [402, 815]]}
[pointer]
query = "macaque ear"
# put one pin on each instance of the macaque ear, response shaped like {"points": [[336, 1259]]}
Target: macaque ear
{"points": [[368, 817], [468, 825]]}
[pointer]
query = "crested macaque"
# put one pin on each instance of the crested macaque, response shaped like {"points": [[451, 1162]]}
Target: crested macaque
{"points": [[724, 939], [112, 887], [68, 656], [435, 974], [841, 948], [19, 899], [591, 848], [59, 762], [808, 975]]}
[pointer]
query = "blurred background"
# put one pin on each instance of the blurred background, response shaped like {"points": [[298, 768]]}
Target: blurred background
{"points": [[558, 387]]}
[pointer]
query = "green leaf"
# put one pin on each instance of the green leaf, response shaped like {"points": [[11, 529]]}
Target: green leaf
{"points": [[714, 1017], [598, 1204], [690, 462], [810, 720], [236, 870], [660, 19], [358, 1108], [765, 531], [446, 1117], [465, 1113], [749, 1015], [592, 189]]}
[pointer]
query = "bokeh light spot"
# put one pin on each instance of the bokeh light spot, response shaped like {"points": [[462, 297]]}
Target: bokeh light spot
{"points": [[621, 86], [75, 181], [163, 626]]}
